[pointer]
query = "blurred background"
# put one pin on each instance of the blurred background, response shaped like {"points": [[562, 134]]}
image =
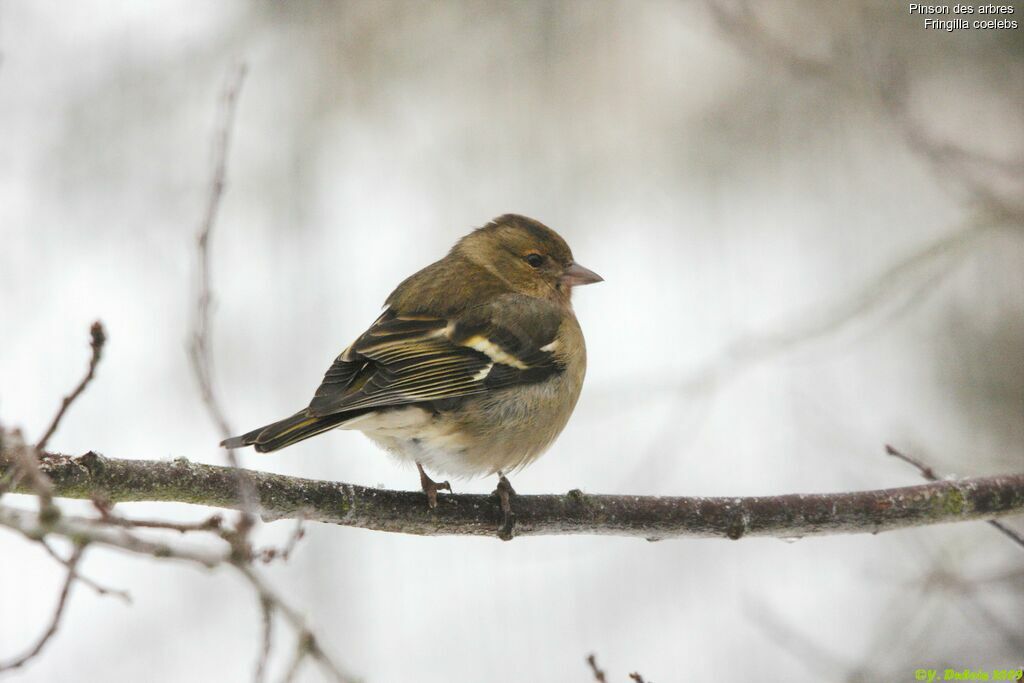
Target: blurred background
{"points": [[809, 219]]}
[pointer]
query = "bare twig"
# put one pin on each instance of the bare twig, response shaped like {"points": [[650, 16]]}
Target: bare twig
{"points": [[929, 474], [97, 339], [297, 659], [213, 523], [267, 613], [926, 472], [283, 553], [51, 630], [200, 348], [308, 643], [22, 471], [87, 531], [201, 355], [601, 677], [98, 588], [594, 669], [26, 461]]}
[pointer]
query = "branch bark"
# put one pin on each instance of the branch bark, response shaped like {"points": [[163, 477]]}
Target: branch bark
{"points": [[650, 517]]}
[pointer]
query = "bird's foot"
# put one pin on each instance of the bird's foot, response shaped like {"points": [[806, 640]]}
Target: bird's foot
{"points": [[504, 492], [431, 487]]}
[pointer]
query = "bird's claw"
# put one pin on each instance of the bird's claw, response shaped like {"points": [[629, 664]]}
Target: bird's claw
{"points": [[504, 491], [431, 487]]}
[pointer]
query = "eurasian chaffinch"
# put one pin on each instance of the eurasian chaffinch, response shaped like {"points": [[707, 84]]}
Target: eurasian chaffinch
{"points": [[473, 368]]}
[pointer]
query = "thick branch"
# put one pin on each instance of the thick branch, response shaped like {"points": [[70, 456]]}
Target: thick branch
{"points": [[654, 518], [929, 474]]}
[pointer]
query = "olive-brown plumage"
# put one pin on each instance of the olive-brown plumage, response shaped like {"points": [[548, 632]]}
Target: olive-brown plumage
{"points": [[473, 368]]}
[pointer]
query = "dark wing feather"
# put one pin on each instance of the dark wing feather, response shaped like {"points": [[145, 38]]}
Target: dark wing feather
{"points": [[406, 359]]}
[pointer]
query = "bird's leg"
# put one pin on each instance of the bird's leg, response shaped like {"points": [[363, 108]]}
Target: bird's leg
{"points": [[504, 491], [431, 487]]}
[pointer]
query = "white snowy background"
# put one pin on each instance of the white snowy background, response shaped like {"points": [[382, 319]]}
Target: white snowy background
{"points": [[791, 282]]}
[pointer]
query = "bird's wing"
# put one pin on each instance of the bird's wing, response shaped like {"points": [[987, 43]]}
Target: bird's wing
{"points": [[406, 358]]}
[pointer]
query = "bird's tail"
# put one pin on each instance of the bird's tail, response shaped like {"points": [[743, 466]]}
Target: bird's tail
{"points": [[285, 432]]}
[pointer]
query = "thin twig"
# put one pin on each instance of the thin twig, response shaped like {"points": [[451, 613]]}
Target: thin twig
{"points": [[87, 531], [297, 659], [201, 356], [271, 554], [267, 613], [200, 348], [308, 642], [97, 339], [594, 669], [926, 472], [97, 587], [84, 530], [929, 474], [27, 462], [51, 630], [213, 523]]}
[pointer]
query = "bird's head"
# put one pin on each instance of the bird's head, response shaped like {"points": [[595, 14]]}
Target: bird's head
{"points": [[530, 257]]}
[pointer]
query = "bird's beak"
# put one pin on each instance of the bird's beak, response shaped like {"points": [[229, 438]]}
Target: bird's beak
{"points": [[576, 275]]}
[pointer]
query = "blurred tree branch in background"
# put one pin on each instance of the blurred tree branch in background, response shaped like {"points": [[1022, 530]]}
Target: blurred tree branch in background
{"points": [[991, 186], [991, 189], [24, 471], [200, 352], [977, 174]]}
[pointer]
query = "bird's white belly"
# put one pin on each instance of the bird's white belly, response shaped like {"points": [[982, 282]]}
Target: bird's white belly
{"points": [[415, 435], [499, 431]]}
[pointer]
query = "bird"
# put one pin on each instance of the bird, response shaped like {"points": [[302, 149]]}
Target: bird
{"points": [[473, 369]]}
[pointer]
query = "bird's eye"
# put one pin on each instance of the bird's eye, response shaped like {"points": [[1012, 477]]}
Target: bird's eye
{"points": [[535, 260]]}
